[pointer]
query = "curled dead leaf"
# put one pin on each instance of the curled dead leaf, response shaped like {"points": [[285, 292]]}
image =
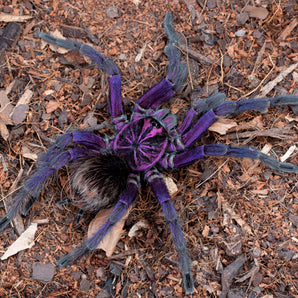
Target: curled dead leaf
{"points": [[171, 185], [222, 125], [26, 240], [109, 242], [137, 226]]}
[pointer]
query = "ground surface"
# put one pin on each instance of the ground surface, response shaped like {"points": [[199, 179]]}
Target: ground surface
{"points": [[234, 211]]}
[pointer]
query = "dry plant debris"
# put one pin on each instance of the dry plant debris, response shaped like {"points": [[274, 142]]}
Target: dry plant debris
{"points": [[241, 218]]}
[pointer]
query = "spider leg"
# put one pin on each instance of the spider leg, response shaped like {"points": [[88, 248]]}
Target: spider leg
{"points": [[204, 105], [69, 201], [177, 72], [124, 202], [161, 192], [228, 107], [200, 152], [107, 65], [33, 186], [88, 139]]}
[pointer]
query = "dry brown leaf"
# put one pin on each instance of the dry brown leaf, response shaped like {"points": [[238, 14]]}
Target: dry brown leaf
{"points": [[222, 125], [287, 31], [27, 153], [109, 242], [281, 76], [227, 208], [171, 185], [25, 98], [26, 240], [52, 106], [206, 230], [141, 224], [3, 130], [257, 12], [13, 18], [5, 108]]}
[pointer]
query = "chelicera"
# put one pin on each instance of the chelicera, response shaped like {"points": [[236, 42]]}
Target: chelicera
{"points": [[108, 170]]}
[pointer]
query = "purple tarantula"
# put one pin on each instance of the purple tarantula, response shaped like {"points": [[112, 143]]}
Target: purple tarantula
{"points": [[108, 170]]}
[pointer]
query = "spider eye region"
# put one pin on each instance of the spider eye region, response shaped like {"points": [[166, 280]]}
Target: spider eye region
{"points": [[141, 143]]}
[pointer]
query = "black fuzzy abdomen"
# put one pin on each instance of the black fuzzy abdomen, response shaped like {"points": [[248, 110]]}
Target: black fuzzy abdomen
{"points": [[98, 181]]}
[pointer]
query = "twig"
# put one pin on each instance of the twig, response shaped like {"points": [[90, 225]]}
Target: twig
{"points": [[267, 88]]}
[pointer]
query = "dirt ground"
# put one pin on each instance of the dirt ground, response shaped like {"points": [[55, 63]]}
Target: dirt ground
{"points": [[239, 218]]}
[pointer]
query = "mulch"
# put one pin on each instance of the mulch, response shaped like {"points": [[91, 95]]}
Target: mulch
{"points": [[239, 218]]}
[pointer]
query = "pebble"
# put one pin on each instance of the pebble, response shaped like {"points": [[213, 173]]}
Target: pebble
{"points": [[240, 33], [90, 120], [211, 4], [20, 113], [43, 272], [101, 273], [113, 12], [85, 285], [242, 18]]}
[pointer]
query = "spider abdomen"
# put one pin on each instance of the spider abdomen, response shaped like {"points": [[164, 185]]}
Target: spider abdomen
{"points": [[142, 143], [98, 181]]}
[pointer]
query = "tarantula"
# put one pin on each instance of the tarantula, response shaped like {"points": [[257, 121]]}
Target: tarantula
{"points": [[108, 170]]}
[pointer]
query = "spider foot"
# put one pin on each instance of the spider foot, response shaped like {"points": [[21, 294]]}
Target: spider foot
{"points": [[188, 283], [254, 104], [177, 71], [217, 105], [86, 138], [31, 190], [161, 192], [5, 220], [105, 64], [124, 202], [200, 152], [72, 256], [13, 209]]}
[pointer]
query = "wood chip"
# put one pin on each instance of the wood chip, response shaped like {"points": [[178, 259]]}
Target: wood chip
{"points": [[226, 207], [12, 18], [288, 153], [268, 87], [287, 31], [222, 125], [257, 12]]}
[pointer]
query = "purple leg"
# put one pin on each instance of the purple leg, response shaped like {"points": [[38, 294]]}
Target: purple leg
{"points": [[176, 76], [108, 66], [254, 104], [33, 186], [190, 135], [105, 64], [200, 152], [161, 92], [203, 106], [196, 131], [124, 202], [88, 139], [160, 190]]}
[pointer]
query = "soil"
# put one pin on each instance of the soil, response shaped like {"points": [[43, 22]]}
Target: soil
{"points": [[239, 218]]}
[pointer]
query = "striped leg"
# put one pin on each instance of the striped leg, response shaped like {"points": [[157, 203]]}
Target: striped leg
{"points": [[200, 152], [191, 134], [160, 190], [176, 76], [33, 186]]}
